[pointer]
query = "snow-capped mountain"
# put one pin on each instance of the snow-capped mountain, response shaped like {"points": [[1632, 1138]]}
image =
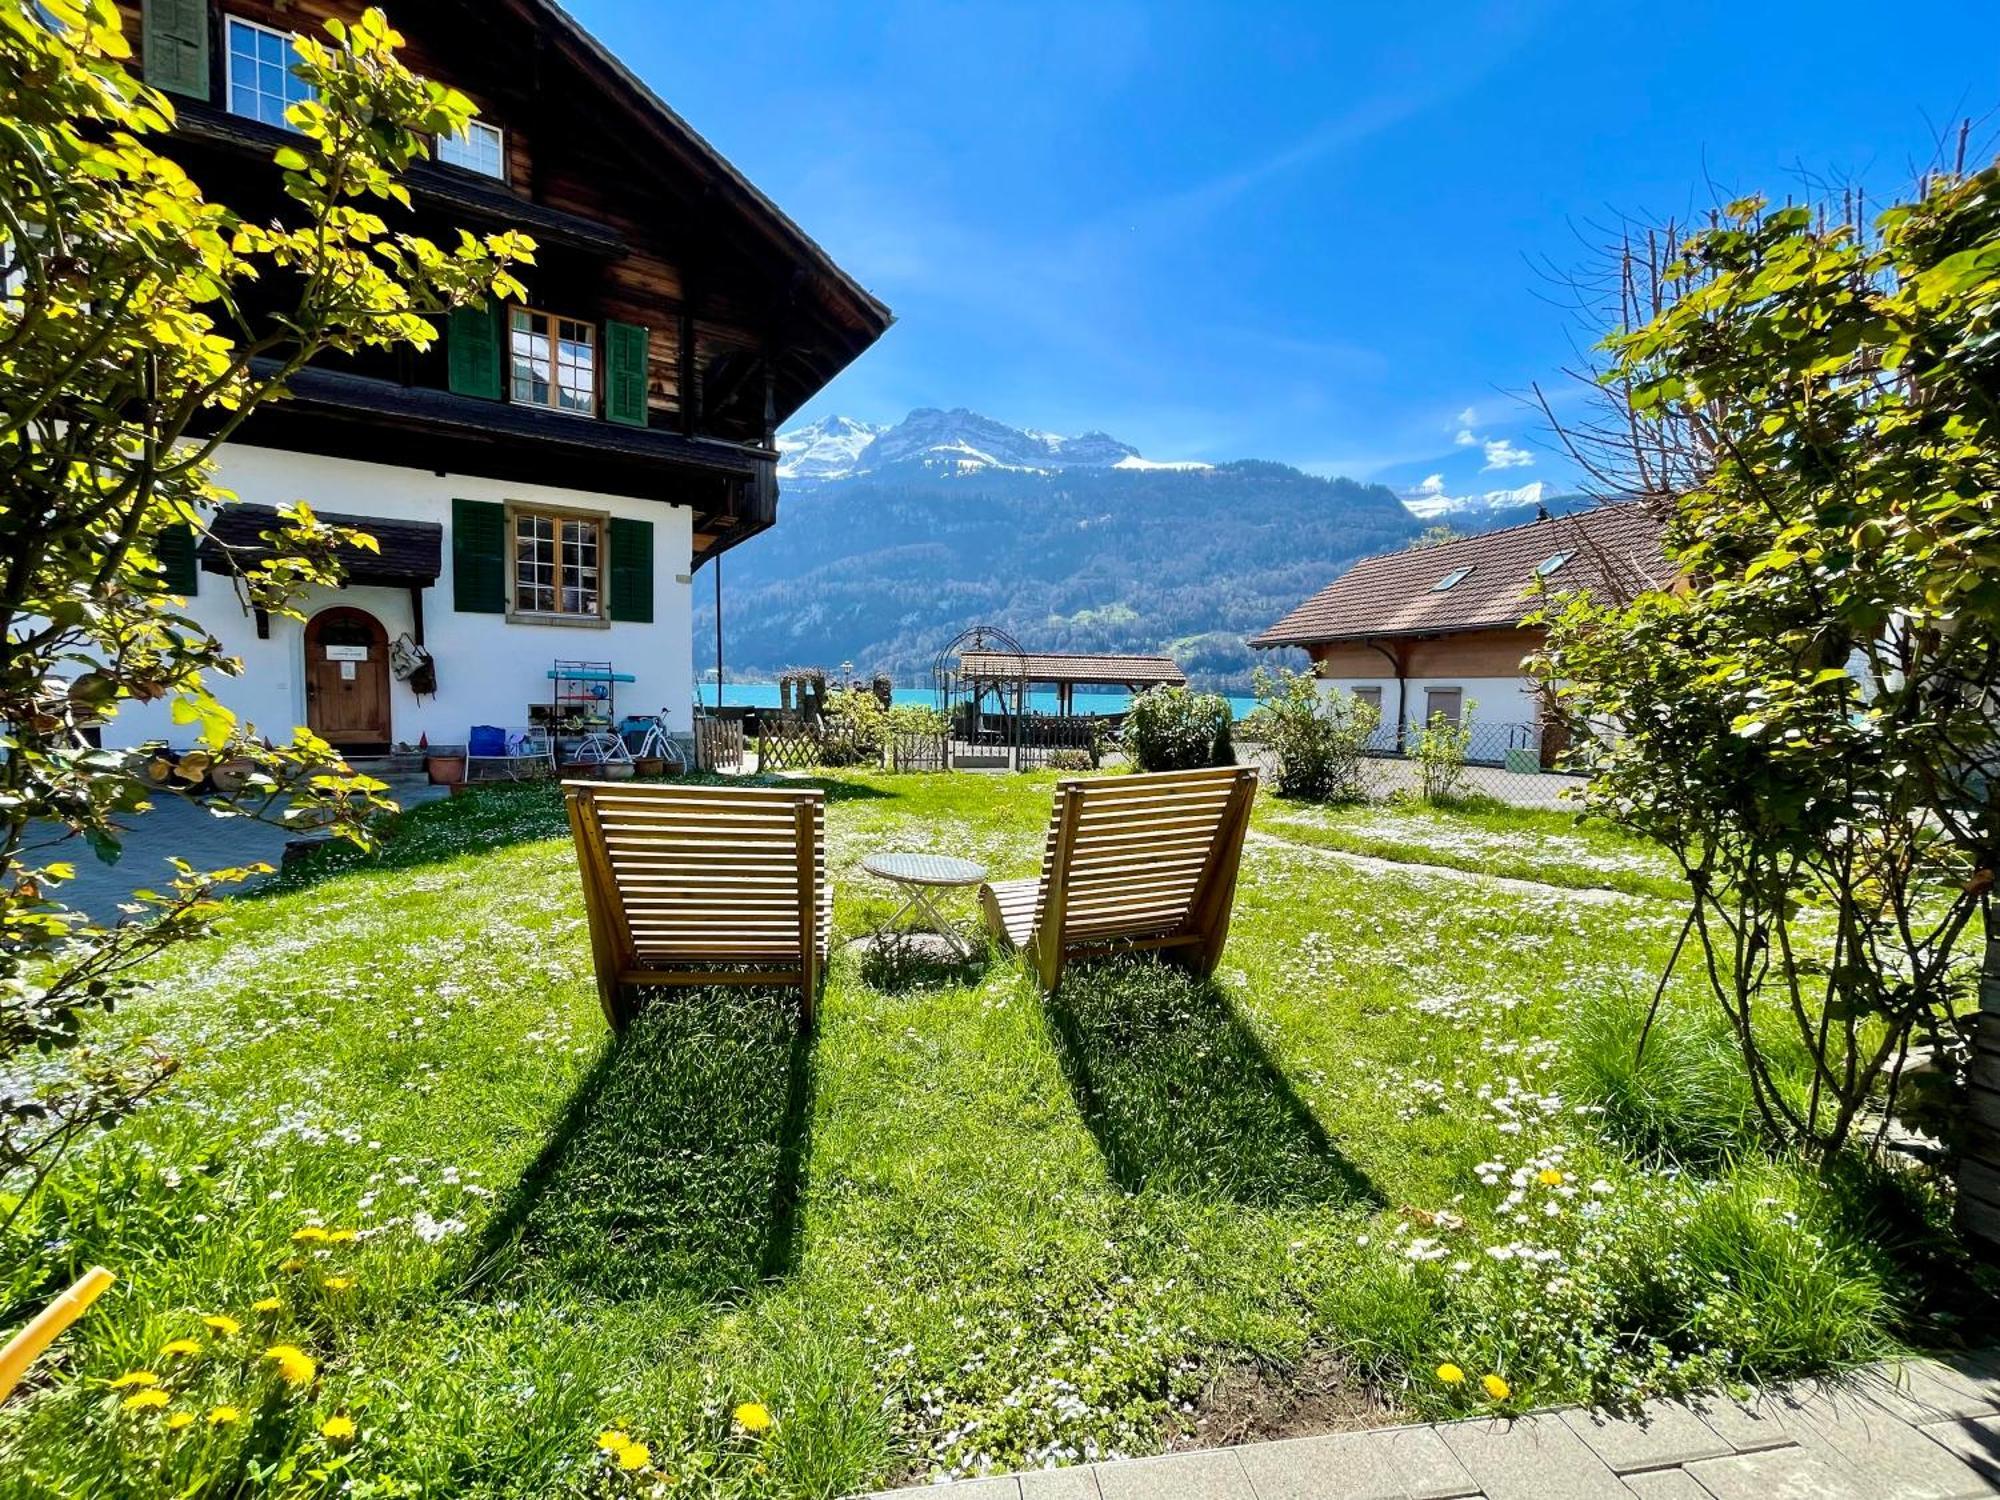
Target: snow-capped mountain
{"points": [[952, 442], [1482, 512], [826, 449]]}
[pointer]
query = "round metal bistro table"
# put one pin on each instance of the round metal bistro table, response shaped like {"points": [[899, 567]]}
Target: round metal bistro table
{"points": [[918, 876]]}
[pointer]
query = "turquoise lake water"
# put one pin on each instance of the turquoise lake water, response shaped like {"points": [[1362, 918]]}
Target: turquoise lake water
{"points": [[765, 695]]}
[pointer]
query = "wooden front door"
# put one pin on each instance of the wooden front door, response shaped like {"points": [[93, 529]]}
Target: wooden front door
{"points": [[347, 678]]}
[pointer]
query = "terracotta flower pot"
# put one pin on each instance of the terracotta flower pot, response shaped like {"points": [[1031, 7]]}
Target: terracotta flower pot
{"points": [[446, 770]]}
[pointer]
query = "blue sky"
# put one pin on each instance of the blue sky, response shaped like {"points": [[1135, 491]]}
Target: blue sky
{"points": [[1303, 232]]}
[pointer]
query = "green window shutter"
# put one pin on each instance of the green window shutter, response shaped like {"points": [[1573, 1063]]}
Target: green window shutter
{"points": [[176, 46], [631, 570], [175, 548], [625, 373], [478, 557], [473, 342]]}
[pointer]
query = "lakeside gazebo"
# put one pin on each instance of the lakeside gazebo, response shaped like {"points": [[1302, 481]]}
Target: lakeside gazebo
{"points": [[1066, 671]]}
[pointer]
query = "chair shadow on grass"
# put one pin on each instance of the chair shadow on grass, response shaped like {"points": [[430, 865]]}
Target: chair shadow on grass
{"points": [[1181, 1096], [678, 1167]]}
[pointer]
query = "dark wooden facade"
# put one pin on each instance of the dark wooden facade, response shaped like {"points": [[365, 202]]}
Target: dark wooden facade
{"points": [[639, 223]]}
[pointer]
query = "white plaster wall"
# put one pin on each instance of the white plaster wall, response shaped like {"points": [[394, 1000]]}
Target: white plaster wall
{"points": [[1487, 700], [488, 669]]}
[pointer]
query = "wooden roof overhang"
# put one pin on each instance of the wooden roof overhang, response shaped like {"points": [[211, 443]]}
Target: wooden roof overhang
{"points": [[408, 554], [1072, 668], [731, 487]]}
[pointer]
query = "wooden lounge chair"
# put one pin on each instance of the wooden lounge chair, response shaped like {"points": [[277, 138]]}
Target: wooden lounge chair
{"points": [[1131, 862], [688, 886]]}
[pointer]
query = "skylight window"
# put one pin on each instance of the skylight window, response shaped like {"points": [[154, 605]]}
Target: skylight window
{"points": [[1450, 580], [1549, 565]]}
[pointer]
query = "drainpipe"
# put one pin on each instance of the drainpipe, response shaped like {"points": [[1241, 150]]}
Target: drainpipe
{"points": [[1402, 687]]}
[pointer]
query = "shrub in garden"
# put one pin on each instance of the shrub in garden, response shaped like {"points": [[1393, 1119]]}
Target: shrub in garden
{"points": [[1439, 751], [1176, 729], [1072, 760], [1318, 738], [854, 728], [1811, 722]]}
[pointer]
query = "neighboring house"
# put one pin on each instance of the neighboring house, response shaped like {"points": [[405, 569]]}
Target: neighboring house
{"points": [[1436, 630], [545, 481]]}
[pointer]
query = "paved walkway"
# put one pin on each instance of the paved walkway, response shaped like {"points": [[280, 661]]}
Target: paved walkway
{"points": [[179, 826], [1918, 1430]]}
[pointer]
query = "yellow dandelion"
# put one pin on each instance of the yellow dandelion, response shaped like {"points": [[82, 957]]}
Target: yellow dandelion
{"points": [[1451, 1374], [340, 1236], [611, 1440], [311, 1234], [634, 1456], [224, 1416], [753, 1416], [1497, 1388], [146, 1400], [338, 1283], [173, 1347], [1549, 1177], [295, 1366], [266, 1305], [135, 1377], [223, 1324], [294, 1264], [179, 1420], [337, 1429]]}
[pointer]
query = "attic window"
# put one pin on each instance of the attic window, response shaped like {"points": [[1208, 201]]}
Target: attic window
{"points": [[1549, 565], [1450, 580]]}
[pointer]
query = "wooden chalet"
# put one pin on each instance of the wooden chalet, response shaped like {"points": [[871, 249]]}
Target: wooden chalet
{"points": [[578, 455], [1065, 672]]}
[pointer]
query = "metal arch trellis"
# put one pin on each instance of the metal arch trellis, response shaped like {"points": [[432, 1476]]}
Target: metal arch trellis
{"points": [[962, 696]]}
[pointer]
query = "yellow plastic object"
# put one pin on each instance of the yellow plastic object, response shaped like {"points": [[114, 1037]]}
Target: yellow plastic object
{"points": [[23, 1348]]}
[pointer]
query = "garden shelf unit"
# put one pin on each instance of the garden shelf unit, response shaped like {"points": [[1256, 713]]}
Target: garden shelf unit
{"points": [[582, 712]]}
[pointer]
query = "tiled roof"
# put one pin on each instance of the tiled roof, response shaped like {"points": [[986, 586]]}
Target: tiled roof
{"points": [[411, 555], [1040, 666], [1611, 548]]}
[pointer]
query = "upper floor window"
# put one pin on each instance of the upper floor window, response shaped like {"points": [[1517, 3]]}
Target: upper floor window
{"points": [[553, 360], [478, 148], [262, 85]]}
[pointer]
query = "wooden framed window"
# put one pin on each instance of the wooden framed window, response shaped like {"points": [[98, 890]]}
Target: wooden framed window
{"points": [[553, 361], [480, 148], [558, 564], [262, 85], [1446, 701]]}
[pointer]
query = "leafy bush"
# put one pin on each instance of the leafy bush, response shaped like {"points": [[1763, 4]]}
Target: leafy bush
{"points": [[1317, 737], [917, 718], [1071, 760], [1174, 729], [855, 728], [1440, 754]]}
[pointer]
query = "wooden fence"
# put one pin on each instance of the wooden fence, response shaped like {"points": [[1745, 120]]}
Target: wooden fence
{"points": [[718, 745]]}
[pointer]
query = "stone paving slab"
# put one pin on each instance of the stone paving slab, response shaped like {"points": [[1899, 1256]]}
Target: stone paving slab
{"points": [[1912, 1430], [1211, 1474], [1078, 1482], [1775, 1474], [1664, 1436], [1349, 1466], [1427, 1466], [1530, 1458]]}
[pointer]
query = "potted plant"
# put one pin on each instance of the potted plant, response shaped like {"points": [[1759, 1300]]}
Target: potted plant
{"points": [[445, 765]]}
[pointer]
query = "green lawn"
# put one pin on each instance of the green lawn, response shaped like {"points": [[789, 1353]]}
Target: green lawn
{"points": [[959, 1229]]}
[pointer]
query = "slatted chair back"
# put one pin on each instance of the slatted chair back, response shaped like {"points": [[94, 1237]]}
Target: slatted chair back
{"points": [[688, 885], [1144, 861]]}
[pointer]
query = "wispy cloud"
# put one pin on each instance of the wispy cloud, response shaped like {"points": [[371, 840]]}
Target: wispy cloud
{"points": [[1465, 438], [1468, 418]]}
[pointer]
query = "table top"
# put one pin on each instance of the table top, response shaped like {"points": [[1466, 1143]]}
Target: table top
{"points": [[924, 869]]}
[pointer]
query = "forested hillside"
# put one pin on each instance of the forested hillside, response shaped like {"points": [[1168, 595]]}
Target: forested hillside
{"points": [[882, 567]]}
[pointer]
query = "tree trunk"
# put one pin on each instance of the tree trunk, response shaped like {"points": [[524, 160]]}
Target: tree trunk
{"points": [[1979, 1140]]}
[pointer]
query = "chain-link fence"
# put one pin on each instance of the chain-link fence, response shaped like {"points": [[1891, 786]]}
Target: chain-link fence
{"points": [[1508, 763]]}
